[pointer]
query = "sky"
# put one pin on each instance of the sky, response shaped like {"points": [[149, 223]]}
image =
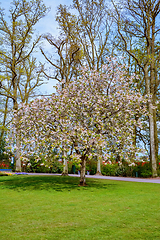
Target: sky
{"points": [[45, 25], [49, 25]]}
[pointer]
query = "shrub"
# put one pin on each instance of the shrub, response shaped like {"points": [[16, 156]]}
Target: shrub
{"points": [[4, 165], [41, 166], [56, 167], [109, 169], [91, 166], [3, 155], [146, 173], [121, 171], [143, 169]]}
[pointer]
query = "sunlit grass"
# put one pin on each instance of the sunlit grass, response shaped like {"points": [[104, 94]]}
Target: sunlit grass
{"points": [[54, 207]]}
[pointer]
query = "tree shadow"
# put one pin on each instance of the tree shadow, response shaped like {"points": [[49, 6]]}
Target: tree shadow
{"points": [[56, 183]]}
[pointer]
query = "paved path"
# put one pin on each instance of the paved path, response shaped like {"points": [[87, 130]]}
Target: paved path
{"points": [[127, 179]]}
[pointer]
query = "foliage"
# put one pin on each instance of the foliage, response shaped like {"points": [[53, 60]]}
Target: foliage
{"points": [[139, 32], [143, 169], [3, 155], [91, 165], [73, 163], [41, 165], [96, 111], [109, 169], [124, 169], [20, 74], [4, 165], [89, 29]]}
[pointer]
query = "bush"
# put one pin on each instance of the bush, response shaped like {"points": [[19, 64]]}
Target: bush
{"points": [[3, 156], [109, 169], [122, 171], [91, 166], [143, 169], [42, 166], [146, 174], [4, 165], [57, 167]]}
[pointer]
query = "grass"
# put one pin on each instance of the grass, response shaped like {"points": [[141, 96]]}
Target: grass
{"points": [[54, 207]]}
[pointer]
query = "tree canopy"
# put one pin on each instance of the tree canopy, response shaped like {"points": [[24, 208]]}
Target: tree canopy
{"points": [[96, 111]]}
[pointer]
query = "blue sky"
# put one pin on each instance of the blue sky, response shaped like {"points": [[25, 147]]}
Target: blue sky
{"points": [[45, 25], [49, 25]]}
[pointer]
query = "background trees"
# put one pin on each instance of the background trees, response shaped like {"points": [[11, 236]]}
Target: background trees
{"points": [[90, 27], [88, 33], [64, 60], [17, 45], [84, 39], [139, 21]]}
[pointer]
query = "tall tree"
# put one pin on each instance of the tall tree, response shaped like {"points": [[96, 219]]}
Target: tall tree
{"points": [[16, 49], [140, 19], [90, 26]]}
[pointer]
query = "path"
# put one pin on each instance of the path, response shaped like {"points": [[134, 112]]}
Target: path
{"points": [[127, 179]]}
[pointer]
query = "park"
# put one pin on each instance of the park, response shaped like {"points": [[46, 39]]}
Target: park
{"points": [[79, 120], [55, 207]]}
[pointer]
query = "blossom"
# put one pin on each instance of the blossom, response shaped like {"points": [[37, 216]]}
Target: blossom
{"points": [[96, 111]]}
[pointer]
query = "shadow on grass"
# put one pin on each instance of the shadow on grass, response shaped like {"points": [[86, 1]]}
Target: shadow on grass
{"points": [[56, 183]]}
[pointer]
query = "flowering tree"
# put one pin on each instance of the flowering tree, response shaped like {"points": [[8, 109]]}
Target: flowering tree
{"points": [[94, 112]]}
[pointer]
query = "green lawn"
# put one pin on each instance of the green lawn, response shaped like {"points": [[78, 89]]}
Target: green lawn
{"points": [[53, 207]]}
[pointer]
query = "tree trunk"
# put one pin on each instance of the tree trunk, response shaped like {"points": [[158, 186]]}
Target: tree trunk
{"points": [[151, 127], [4, 119], [99, 161], [18, 160], [154, 84], [155, 134], [83, 170], [98, 167], [65, 166], [152, 142]]}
